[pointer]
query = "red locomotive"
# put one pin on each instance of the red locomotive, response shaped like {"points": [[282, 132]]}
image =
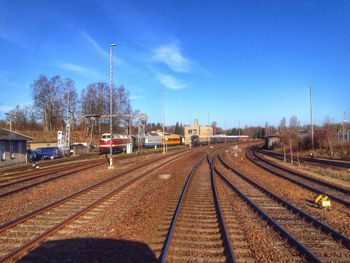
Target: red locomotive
{"points": [[119, 142]]}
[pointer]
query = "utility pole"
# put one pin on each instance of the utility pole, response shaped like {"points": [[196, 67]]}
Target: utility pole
{"points": [[239, 127], [190, 116], [225, 131], [163, 111], [208, 129], [312, 125], [344, 120], [110, 104], [10, 117]]}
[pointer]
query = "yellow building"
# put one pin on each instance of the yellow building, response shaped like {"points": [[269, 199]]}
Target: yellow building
{"points": [[203, 132]]}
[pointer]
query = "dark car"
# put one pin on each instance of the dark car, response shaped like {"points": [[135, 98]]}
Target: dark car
{"points": [[32, 157], [47, 153]]}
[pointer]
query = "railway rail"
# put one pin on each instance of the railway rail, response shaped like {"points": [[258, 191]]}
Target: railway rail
{"points": [[313, 239], [336, 163], [34, 178], [13, 177], [197, 231], [337, 193], [37, 177], [26, 232]]}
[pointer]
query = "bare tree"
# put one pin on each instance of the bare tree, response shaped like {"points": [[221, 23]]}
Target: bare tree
{"points": [[95, 100], [293, 135], [283, 134], [49, 100], [329, 130]]}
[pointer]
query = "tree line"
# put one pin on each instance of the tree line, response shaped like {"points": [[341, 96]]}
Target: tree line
{"points": [[56, 102]]}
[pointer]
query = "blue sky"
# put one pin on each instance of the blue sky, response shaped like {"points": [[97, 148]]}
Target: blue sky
{"points": [[247, 61]]}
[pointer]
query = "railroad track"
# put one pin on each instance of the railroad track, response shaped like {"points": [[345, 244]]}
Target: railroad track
{"points": [[313, 239], [336, 163], [37, 177], [337, 193], [197, 231], [28, 231]]}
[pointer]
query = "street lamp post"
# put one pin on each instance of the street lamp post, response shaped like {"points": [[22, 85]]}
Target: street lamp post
{"points": [[110, 104]]}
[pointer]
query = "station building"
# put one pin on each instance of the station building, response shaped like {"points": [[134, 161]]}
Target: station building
{"points": [[203, 131], [13, 148]]}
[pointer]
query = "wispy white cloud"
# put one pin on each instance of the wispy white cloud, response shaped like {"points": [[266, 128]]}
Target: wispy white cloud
{"points": [[170, 82], [82, 70], [4, 74], [136, 97], [98, 49], [93, 43], [8, 79], [171, 55]]}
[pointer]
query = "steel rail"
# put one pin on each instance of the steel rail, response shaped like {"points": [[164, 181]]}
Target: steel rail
{"points": [[21, 188], [32, 243], [33, 213], [226, 236], [308, 254], [311, 188], [228, 251], [330, 185], [338, 163], [165, 248], [97, 163], [325, 228], [33, 173]]}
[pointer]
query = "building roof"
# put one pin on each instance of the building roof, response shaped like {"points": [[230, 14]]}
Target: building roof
{"points": [[6, 134]]}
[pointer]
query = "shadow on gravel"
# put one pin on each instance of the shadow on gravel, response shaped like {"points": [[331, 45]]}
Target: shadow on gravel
{"points": [[311, 203], [90, 250]]}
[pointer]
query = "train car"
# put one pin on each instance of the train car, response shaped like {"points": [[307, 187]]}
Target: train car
{"points": [[152, 141], [147, 141], [228, 138], [171, 139], [195, 140], [119, 142]]}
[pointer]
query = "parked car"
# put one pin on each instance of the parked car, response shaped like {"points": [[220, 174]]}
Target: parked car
{"points": [[32, 157], [47, 153]]}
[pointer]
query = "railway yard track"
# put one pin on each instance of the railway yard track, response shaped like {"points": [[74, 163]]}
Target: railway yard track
{"points": [[19, 181], [11, 184], [208, 212], [314, 240], [335, 163], [198, 231], [22, 234], [337, 193]]}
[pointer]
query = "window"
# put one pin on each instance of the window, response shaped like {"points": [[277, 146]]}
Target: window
{"points": [[12, 153]]}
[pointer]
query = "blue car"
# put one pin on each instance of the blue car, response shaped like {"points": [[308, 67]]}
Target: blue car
{"points": [[47, 153]]}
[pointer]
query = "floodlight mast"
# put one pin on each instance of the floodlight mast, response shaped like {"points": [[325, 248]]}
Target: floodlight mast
{"points": [[110, 103]]}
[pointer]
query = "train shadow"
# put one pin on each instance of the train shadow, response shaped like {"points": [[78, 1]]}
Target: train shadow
{"points": [[90, 250]]}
